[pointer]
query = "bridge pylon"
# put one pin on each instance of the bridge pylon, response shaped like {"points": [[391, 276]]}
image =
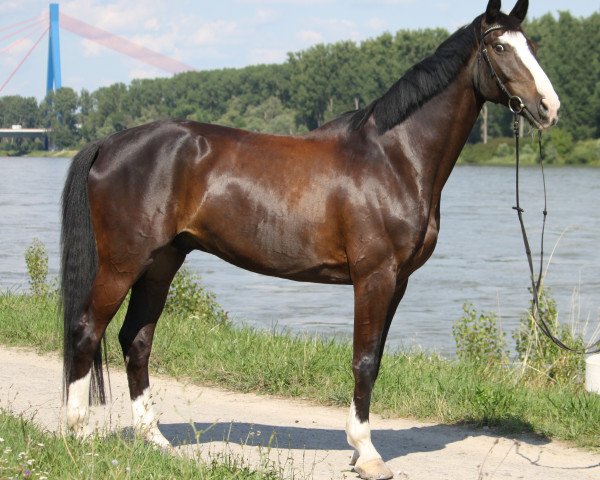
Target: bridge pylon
{"points": [[54, 80]]}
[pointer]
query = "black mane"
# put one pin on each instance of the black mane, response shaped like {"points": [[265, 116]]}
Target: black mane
{"points": [[421, 82]]}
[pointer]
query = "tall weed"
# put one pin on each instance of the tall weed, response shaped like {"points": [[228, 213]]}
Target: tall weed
{"points": [[539, 355], [188, 298], [478, 338], [36, 259]]}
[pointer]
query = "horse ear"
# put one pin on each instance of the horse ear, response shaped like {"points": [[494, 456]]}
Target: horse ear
{"points": [[492, 11], [520, 10]]}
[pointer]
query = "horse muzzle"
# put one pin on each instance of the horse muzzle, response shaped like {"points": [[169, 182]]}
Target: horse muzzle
{"points": [[546, 113]]}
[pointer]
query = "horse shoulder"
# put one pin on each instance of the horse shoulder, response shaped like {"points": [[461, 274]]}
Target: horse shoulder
{"points": [[384, 221]]}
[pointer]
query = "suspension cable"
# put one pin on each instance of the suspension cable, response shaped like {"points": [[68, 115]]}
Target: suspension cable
{"points": [[24, 58], [32, 26], [32, 19]]}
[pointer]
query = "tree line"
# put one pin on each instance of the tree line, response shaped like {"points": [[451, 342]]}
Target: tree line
{"points": [[310, 88]]}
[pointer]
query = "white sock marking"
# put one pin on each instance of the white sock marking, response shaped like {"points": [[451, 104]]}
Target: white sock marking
{"points": [[359, 436], [145, 421], [78, 405]]}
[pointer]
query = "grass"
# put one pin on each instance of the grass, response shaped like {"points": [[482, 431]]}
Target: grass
{"points": [[28, 452], [419, 385]]}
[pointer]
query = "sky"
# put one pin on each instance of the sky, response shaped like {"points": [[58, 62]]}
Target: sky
{"points": [[218, 34]]}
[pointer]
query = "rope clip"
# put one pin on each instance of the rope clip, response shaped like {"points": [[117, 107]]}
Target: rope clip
{"points": [[515, 104]]}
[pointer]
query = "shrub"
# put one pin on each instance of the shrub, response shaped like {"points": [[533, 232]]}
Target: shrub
{"points": [[562, 140], [36, 259], [187, 298], [503, 150], [540, 355], [478, 338], [585, 153]]}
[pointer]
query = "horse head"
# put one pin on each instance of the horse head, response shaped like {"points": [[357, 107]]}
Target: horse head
{"points": [[508, 71]]}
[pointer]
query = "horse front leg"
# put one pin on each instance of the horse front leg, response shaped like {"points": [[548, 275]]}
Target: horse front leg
{"points": [[375, 296]]}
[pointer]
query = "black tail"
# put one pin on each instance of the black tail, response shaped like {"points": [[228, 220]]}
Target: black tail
{"points": [[79, 262]]}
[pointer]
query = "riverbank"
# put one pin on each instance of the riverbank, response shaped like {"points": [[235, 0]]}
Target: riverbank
{"points": [[205, 349], [40, 153], [559, 150]]}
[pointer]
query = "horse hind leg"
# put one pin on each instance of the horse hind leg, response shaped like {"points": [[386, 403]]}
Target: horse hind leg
{"points": [[148, 298], [107, 293]]}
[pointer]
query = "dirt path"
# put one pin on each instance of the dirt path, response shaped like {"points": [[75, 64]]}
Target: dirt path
{"points": [[310, 439]]}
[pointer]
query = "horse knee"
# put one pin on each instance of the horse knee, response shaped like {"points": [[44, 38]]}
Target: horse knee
{"points": [[365, 369]]}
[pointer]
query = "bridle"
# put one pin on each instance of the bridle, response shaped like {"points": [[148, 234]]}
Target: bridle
{"points": [[514, 102], [517, 107]]}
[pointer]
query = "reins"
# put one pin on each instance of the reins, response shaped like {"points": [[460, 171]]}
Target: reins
{"points": [[516, 106]]}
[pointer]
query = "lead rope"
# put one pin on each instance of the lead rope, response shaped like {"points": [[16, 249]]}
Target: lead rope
{"points": [[537, 283]]}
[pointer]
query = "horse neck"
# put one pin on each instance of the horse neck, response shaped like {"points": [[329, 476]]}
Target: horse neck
{"points": [[432, 138]]}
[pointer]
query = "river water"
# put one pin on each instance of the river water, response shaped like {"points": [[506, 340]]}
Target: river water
{"points": [[479, 257]]}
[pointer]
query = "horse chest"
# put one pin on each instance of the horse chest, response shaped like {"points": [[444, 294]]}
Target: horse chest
{"points": [[427, 246], [414, 245]]}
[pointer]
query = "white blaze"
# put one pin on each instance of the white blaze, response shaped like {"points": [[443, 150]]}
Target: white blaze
{"points": [[519, 43]]}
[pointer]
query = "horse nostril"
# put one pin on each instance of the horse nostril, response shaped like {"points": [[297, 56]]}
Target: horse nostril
{"points": [[543, 107]]}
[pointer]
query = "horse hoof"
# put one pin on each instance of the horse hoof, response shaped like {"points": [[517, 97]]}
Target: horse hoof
{"points": [[375, 469], [82, 434], [354, 458], [154, 437], [80, 431]]}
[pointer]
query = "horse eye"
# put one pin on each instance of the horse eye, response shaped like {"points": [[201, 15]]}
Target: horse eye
{"points": [[499, 48]]}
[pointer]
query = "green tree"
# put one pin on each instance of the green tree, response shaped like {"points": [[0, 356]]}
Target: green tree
{"points": [[16, 110], [24, 111], [60, 111], [310, 84], [272, 117], [110, 111]]}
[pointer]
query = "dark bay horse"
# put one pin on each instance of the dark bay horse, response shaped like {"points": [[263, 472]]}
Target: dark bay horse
{"points": [[356, 201]]}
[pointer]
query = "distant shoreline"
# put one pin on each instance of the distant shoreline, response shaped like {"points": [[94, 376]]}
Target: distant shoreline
{"points": [[43, 154], [498, 152]]}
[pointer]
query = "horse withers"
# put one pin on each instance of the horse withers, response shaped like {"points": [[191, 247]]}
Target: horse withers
{"points": [[356, 201]]}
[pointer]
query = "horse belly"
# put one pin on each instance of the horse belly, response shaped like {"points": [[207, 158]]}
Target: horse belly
{"points": [[269, 235]]}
